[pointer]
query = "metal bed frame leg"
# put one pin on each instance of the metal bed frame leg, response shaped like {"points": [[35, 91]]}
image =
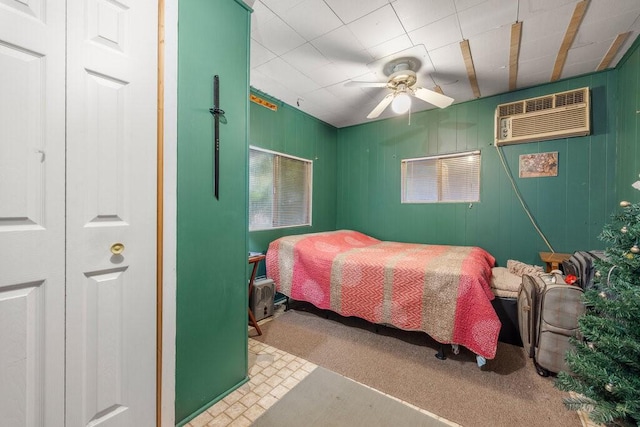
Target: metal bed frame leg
{"points": [[440, 354]]}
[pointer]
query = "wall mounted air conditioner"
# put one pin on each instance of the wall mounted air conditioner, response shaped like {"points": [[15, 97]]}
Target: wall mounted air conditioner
{"points": [[558, 115]]}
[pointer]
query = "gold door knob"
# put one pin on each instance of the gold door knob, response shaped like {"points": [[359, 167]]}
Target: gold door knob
{"points": [[117, 248]]}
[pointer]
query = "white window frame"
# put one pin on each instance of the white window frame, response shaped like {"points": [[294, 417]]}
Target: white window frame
{"points": [[274, 207], [438, 160]]}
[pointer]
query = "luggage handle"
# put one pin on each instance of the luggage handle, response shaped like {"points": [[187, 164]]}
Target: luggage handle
{"points": [[552, 278]]}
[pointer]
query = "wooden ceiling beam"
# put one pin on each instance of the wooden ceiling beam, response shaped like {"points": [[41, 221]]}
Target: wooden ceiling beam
{"points": [[569, 36], [468, 63], [514, 54], [613, 50]]}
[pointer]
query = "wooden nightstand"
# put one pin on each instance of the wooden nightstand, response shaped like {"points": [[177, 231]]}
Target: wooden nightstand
{"points": [[553, 259], [255, 260]]}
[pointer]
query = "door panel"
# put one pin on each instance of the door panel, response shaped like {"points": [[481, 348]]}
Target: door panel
{"points": [[111, 198], [32, 120]]}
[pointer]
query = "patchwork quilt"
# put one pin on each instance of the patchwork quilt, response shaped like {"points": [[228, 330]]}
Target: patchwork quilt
{"points": [[438, 289]]}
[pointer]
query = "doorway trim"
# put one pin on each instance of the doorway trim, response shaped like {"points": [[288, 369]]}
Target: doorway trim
{"points": [[167, 183]]}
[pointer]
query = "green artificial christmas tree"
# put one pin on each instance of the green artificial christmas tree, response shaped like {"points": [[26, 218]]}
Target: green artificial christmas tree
{"points": [[605, 364]]}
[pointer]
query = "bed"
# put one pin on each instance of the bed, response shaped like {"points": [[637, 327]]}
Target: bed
{"points": [[438, 289]]}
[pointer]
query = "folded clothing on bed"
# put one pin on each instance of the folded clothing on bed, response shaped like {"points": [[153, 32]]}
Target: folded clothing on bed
{"points": [[504, 283]]}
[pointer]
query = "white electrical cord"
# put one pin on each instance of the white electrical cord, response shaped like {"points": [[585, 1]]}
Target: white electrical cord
{"points": [[524, 206]]}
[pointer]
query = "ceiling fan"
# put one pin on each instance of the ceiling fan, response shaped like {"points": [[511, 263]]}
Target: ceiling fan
{"points": [[402, 80]]}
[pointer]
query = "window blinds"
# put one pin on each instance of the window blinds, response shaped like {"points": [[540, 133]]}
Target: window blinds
{"points": [[446, 178], [279, 190]]}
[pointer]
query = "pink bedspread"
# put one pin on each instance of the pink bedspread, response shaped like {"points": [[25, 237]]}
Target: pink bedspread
{"points": [[441, 290]]}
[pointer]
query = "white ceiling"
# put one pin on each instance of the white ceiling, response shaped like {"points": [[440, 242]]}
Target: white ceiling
{"points": [[304, 51]]}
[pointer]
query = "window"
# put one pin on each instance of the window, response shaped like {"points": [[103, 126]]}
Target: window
{"points": [[279, 190], [443, 178]]}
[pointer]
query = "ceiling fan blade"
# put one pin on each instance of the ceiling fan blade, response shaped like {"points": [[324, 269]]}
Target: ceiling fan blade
{"points": [[381, 106], [432, 97], [365, 84]]}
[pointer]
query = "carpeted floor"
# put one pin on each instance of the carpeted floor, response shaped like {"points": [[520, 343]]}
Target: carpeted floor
{"points": [[326, 399], [507, 391]]}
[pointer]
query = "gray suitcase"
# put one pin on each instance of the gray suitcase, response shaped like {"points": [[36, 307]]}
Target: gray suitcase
{"points": [[548, 311]]}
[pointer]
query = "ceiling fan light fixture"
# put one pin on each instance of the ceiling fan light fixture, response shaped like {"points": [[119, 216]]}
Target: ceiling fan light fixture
{"points": [[401, 103]]}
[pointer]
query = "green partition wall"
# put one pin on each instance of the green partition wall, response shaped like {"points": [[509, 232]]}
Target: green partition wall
{"points": [[570, 208], [290, 131], [211, 329], [628, 159]]}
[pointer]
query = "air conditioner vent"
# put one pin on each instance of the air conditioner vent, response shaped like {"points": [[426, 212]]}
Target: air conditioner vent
{"points": [[538, 104], [511, 109], [570, 98], [559, 115]]}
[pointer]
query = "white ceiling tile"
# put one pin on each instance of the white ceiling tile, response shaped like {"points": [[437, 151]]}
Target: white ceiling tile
{"points": [[438, 34], [466, 4], [327, 75], [354, 95], [311, 19], [536, 66], [536, 71], [379, 66], [448, 64], [589, 52], [417, 13], [277, 36], [490, 50], [353, 70], [601, 10], [494, 82], [286, 66], [530, 8], [305, 58], [390, 47], [459, 91], [578, 68], [261, 14], [280, 7], [377, 27], [320, 97], [599, 30], [259, 54], [279, 70], [351, 10], [487, 16], [272, 87], [341, 45]]}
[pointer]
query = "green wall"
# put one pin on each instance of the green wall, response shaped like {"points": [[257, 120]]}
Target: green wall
{"points": [[211, 323], [628, 161], [571, 208], [290, 131]]}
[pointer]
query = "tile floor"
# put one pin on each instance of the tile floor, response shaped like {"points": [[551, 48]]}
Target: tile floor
{"points": [[272, 373]]}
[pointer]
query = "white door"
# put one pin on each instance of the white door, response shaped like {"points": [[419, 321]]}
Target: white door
{"points": [[111, 199], [32, 138]]}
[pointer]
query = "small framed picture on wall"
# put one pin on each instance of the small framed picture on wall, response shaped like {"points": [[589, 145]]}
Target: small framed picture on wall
{"points": [[538, 165]]}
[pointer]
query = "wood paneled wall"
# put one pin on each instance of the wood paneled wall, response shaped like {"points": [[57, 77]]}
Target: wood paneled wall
{"points": [[571, 208], [290, 131], [628, 124]]}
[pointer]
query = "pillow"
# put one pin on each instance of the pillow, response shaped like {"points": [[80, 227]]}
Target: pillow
{"points": [[520, 268], [503, 280]]}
